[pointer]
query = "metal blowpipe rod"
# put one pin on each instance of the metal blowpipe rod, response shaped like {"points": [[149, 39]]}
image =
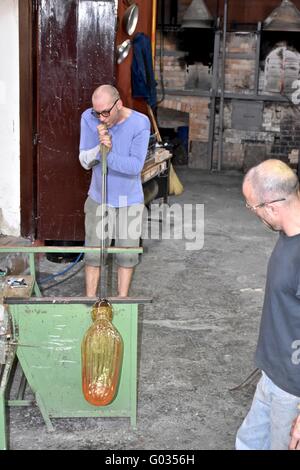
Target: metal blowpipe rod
{"points": [[103, 278]]}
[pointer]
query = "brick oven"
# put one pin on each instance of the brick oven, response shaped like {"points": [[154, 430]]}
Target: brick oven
{"points": [[235, 92]]}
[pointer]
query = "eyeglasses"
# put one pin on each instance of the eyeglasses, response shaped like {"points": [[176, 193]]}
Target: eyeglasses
{"points": [[104, 113], [263, 204]]}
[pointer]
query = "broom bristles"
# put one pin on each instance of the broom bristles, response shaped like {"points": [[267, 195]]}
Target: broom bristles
{"points": [[175, 187]]}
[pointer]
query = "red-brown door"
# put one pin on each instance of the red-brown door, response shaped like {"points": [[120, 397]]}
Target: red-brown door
{"points": [[75, 54]]}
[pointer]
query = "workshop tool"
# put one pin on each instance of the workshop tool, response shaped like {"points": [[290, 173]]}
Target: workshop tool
{"points": [[104, 219], [175, 186], [102, 345], [252, 378], [131, 16], [123, 50]]}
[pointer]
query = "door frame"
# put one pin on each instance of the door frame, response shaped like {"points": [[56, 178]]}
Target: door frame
{"points": [[28, 75], [28, 137]]}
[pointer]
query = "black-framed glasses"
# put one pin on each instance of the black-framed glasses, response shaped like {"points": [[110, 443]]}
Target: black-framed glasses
{"points": [[104, 113], [263, 204]]}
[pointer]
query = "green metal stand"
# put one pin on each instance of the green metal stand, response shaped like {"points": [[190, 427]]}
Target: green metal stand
{"points": [[47, 336], [50, 336], [5, 370]]}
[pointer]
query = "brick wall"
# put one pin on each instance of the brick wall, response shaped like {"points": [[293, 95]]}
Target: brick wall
{"points": [[176, 77], [286, 134], [240, 62], [198, 111], [278, 134], [279, 137], [174, 71], [239, 66]]}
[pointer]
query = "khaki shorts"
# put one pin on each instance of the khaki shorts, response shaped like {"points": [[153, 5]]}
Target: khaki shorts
{"points": [[123, 224]]}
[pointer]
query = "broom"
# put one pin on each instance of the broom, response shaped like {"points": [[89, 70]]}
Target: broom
{"points": [[175, 186]]}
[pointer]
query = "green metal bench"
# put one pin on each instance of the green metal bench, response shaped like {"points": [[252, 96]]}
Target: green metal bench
{"points": [[46, 337]]}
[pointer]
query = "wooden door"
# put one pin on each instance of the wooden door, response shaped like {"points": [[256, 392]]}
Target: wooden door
{"points": [[75, 54]]}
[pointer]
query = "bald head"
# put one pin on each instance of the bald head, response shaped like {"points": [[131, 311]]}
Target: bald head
{"points": [[272, 179], [107, 90]]}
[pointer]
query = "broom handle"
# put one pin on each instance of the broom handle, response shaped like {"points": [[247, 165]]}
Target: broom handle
{"points": [[154, 123]]}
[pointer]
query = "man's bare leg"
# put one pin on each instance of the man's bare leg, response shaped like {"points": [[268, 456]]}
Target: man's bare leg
{"points": [[124, 279], [92, 277]]}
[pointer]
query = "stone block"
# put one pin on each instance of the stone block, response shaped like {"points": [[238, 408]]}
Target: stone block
{"points": [[233, 156], [198, 156], [254, 154]]}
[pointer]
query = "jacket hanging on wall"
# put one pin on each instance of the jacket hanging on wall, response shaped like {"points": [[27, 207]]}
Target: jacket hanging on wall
{"points": [[142, 75]]}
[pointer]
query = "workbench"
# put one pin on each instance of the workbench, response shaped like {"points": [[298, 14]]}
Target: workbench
{"points": [[44, 335], [156, 169]]}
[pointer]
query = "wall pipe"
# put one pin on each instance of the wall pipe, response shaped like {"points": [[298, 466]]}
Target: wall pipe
{"points": [[213, 95], [153, 30], [257, 56], [221, 113], [230, 95]]}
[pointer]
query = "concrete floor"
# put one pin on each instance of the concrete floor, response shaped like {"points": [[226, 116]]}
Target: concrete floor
{"points": [[196, 341]]}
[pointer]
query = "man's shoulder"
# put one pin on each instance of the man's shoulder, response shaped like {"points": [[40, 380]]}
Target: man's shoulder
{"points": [[141, 119], [88, 121], [86, 115]]}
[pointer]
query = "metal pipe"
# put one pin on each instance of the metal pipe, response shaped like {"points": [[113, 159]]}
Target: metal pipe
{"points": [[72, 300], [103, 278], [3, 439], [161, 50], [278, 98], [213, 96], [257, 55], [221, 113], [22, 387], [62, 249], [153, 30]]}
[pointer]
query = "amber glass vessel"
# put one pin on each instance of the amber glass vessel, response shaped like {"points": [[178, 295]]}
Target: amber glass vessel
{"points": [[101, 355]]}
